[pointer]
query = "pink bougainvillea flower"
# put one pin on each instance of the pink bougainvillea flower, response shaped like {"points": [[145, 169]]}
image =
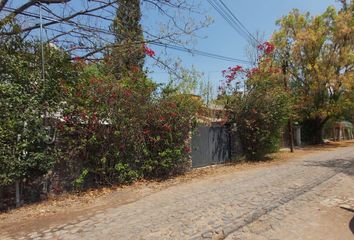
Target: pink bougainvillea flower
{"points": [[149, 51], [266, 47], [146, 132], [167, 127], [78, 59], [127, 92], [66, 119], [187, 149]]}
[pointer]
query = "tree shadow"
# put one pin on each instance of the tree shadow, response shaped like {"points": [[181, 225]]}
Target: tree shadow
{"points": [[339, 165], [351, 225]]}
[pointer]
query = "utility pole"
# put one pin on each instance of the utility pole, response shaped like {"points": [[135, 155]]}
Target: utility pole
{"points": [[286, 88], [41, 40]]}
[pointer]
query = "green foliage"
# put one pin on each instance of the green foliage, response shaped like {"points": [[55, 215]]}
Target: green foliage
{"points": [[125, 174], [128, 52], [318, 52], [190, 81], [106, 131], [78, 183], [260, 109], [24, 97], [260, 115], [260, 118]]}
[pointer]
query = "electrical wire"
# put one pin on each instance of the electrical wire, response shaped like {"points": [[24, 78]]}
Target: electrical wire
{"points": [[160, 44], [232, 20]]}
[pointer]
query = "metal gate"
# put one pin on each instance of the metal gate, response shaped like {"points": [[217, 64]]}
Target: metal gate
{"points": [[210, 145]]}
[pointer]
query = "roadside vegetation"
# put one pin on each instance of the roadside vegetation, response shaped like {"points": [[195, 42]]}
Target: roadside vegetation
{"points": [[94, 118], [303, 75]]}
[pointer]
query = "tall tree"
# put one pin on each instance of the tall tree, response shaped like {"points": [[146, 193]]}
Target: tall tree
{"points": [[128, 52], [319, 55]]}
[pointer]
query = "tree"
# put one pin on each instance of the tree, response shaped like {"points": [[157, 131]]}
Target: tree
{"points": [[318, 52], [190, 81], [129, 50], [23, 148], [257, 103], [80, 28]]}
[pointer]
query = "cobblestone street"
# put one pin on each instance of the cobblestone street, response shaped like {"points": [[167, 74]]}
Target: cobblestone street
{"points": [[299, 199]]}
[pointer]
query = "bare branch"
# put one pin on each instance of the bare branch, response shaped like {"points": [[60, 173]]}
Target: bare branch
{"points": [[3, 4]]}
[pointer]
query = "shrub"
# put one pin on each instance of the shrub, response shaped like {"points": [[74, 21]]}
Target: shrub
{"points": [[120, 131], [260, 116], [259, 107]]}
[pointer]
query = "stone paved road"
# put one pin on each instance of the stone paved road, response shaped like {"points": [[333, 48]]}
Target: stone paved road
{"points": [[253, 204]]}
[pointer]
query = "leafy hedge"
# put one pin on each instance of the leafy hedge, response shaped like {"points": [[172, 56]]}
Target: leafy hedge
{"points": [[123, 130], [24, 148], [106, 131]]}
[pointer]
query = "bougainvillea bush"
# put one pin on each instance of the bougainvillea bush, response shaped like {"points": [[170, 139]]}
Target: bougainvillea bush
{"points": [[258, 103], [120, 131]]}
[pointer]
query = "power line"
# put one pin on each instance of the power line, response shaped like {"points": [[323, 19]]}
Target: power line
{"points": [[232, 20], [227, 18], [239, 22], [199, 52], [160, 44]]}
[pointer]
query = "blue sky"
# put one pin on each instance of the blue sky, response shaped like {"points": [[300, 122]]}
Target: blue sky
{"points": [[256, 15], [220, 38]]}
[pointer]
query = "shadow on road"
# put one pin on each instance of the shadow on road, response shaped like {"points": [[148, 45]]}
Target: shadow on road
{"points": [[340, 165]]}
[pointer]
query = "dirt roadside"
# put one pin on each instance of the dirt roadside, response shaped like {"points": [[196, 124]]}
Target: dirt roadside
{"points": [[70, 206]]}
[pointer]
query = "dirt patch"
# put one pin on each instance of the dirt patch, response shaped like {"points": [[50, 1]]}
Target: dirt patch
{"points": [[68, 207]]}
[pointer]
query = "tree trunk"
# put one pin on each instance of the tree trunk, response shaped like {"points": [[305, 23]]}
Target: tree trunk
{"points": [[18, 193], [318, 136], [313, 130]]}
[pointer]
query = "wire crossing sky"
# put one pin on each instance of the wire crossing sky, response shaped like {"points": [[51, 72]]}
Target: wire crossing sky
{"points": [[235, 23], [223, 44]]}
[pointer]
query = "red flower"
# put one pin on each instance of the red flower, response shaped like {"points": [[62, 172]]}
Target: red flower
{"points": [[135, 69], [60, 126], [167, 127], [113, 95], [231, 73], [93, 80], [252, 72], [94, 117], [66, 119], [266, 47], [187, 149], [100, 90], [149, 51], [146, 131], [78, 59], [83, 115], [127, 92]]}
